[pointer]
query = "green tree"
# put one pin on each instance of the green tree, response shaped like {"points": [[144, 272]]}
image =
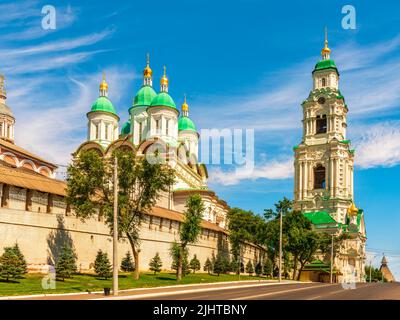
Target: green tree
{"points": [[127, 263], [175, 252], [208, 266], [102, 265], [376, 274], [219, 265], [190, 228], [23, 264], [258, 269], [268, 267], [12, 263], [140, 184], [235, 266], [249, 268], [155, 263], [66, 263], [195, 264]]}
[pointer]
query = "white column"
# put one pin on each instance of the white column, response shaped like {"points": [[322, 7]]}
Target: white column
{"points": [[304, 180], [300, 181], [330, 177]]}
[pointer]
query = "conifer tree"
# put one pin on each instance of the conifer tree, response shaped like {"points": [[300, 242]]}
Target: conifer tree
{"points": [[127, 263], [66, 263], [195, 264], [102, 265], [208, 266], [23, 264], [249, 268], [258, 269], [155, 263], [11, 264]]}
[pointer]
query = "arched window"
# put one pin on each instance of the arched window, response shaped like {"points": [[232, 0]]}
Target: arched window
{"points": [[323, 82], [319, 177], [321, 124]]}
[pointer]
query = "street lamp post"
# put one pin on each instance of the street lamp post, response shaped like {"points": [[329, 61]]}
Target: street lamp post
{"points": [[332, 260], [115, 229], [280, 245]]}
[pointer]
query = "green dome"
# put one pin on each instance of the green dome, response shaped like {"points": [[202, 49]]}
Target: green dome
{"points": [[103, 104], [325, 64], [144, 96], [185, 123], [126, 128], [163, 99]]}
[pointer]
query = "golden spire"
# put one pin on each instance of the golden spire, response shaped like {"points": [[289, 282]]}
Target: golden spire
{"points": [[147, 72], [164, 79], [103, 86], [185, 106], [326, 51], [353, 210]]}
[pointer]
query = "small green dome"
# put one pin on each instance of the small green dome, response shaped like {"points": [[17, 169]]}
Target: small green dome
{"points": [[185, 123], [145, 95], [126, 128], [103, 104], [163, 99], [325, 64]]}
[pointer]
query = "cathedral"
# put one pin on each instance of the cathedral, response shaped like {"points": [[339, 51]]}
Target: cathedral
{"points": [[324, 169]]}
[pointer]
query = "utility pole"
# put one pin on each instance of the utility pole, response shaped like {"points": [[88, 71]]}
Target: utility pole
{"points": [[115, 229], [280, 245], [370, 270], [332, 260]]}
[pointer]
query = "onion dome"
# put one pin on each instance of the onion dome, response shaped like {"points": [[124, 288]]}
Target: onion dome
{"points": [[163, 99], [147, 72], [326, 62], [126, 128], [185, 123], [144, 97], [103, 103]]}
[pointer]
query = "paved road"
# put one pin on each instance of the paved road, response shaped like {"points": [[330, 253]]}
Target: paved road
{"points": [[305, 291]]}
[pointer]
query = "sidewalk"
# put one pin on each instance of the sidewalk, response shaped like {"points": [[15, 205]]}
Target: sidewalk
{"points": [[151, 292]]}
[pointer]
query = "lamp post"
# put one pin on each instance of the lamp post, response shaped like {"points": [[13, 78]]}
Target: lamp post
{"points": [[115, 229], [280, 245], [331, 280]]}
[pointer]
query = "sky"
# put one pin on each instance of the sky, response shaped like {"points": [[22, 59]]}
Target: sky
{"points": [[243, 65]]}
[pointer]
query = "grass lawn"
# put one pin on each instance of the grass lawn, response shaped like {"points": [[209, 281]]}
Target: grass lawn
{"points": [[32, 283]]}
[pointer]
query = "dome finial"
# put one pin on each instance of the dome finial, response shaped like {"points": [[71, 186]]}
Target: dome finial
{"points": [[164, 81], [147, 72], [185, 107], [326, 51], [103, 86]]}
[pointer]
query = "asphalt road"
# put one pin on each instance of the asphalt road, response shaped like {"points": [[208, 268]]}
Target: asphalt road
{"points": [[304, 291]]}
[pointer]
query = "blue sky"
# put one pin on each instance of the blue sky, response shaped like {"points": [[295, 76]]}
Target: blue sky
{"points": [[243, 64]]}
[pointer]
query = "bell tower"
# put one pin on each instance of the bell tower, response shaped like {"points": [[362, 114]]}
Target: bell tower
{"points": [[323, 160]]}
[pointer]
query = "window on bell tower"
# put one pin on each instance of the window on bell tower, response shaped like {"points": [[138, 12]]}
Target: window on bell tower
{"points": [[323, 82], [319, 177], [321, 124]]}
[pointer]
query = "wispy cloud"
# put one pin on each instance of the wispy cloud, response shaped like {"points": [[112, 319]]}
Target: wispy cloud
{"points": [[379, 145], [272, 170]]}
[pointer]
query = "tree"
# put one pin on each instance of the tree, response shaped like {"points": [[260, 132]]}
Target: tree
{"points": [[140, 184], [219, 265], [268, 267], [175, 252], [258, 269], [102, 265], [208, 266], [66, 263], [155, 263], [376, 274], [127, 263], [195, 264], [190, 228], [249, 268], [235, 266], [12, 263]]}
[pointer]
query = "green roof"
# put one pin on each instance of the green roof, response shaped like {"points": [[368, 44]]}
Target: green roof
{"points": [[325, 64], [163, 99], [145, 95], [345, 141], [319, 217], [126, 128], [185, 123], [103, 104]]}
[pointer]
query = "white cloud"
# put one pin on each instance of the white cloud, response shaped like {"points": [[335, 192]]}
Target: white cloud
{"points": [[272, 170], [379, 145]]}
